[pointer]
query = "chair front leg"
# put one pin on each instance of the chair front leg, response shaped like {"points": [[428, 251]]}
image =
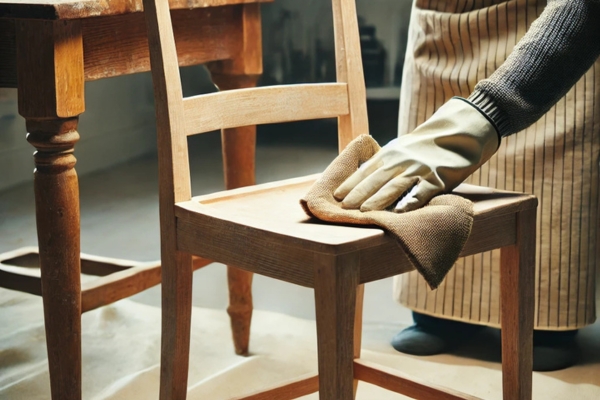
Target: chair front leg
{"points": [[176, 320], [336, 283], [517, 288]]}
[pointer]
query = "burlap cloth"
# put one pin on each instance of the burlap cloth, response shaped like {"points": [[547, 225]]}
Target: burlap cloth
{"points": [[432, 236]]}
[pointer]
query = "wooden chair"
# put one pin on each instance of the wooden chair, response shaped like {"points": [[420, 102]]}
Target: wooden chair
{"points": [[262, 228]]}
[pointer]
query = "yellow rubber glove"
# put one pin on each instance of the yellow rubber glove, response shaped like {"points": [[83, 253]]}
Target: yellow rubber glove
{"points": [[435, 158]]}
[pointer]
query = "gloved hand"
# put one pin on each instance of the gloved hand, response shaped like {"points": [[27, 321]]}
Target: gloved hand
{"points": [[435, 158]]}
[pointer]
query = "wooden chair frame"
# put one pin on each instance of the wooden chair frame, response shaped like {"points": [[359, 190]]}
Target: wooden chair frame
{"points": [[335, 265]]}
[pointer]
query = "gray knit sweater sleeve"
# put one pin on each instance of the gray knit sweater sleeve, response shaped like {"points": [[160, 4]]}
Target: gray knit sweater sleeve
{"points": [[561, 45]]}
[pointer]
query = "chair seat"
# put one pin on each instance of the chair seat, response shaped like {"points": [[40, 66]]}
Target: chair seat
{"points": [[237, 226]]}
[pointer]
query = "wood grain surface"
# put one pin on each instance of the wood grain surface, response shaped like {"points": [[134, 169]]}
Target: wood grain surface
{"points": [[77, 9]]}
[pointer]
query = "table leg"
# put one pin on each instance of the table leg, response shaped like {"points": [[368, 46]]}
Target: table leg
{"points": [[239, 146], [51, 85]]}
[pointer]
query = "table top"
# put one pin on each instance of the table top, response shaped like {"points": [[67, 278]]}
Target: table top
{"points": [[76, 9]]}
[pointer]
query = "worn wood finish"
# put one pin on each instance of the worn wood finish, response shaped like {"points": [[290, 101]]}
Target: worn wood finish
{"points": [[279, 240], [336, 284], [517, 290], [50, 99], [57, 215], [202, 34], [292, 389], [78, 9], [407, 385], [50, 67]]}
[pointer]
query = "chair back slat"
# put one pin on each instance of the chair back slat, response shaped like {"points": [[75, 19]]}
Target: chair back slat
{"points": [[264, 105]]}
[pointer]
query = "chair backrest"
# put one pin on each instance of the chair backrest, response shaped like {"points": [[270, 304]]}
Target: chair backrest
{"points": [[179, 117]]}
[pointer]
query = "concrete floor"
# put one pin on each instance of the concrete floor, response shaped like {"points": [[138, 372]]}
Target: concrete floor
{"points": [[119, 218]]}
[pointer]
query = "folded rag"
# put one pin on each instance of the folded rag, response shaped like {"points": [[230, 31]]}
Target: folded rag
{"points": [[432, 236]]}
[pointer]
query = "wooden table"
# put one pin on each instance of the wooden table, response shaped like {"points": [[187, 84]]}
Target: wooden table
{"points": [[48, 49]]}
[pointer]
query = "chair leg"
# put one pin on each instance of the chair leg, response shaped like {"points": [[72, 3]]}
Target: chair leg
{"points": [[240, 307], [335, 301], [176, 319], [238, 148], [517, 287], [358, 320]]}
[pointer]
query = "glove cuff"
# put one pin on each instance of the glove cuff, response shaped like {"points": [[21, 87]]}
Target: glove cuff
{"points": [[486, 104], [482, 112]]}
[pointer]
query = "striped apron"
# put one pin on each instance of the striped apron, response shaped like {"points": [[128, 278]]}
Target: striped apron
{"points": [[452, 45]]}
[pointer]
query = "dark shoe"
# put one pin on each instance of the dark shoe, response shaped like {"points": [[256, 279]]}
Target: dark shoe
{"points": [[430, 335], [554, 350]]}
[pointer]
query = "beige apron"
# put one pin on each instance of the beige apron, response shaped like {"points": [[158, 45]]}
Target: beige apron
{"points": [[452, 45]]}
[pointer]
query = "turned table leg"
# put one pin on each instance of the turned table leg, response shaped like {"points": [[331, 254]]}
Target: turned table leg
{"points": [[51, 86], [239, 146]]}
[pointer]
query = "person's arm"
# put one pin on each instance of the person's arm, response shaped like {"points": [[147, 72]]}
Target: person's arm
{"points": [[440, 154], [560, 46]]}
